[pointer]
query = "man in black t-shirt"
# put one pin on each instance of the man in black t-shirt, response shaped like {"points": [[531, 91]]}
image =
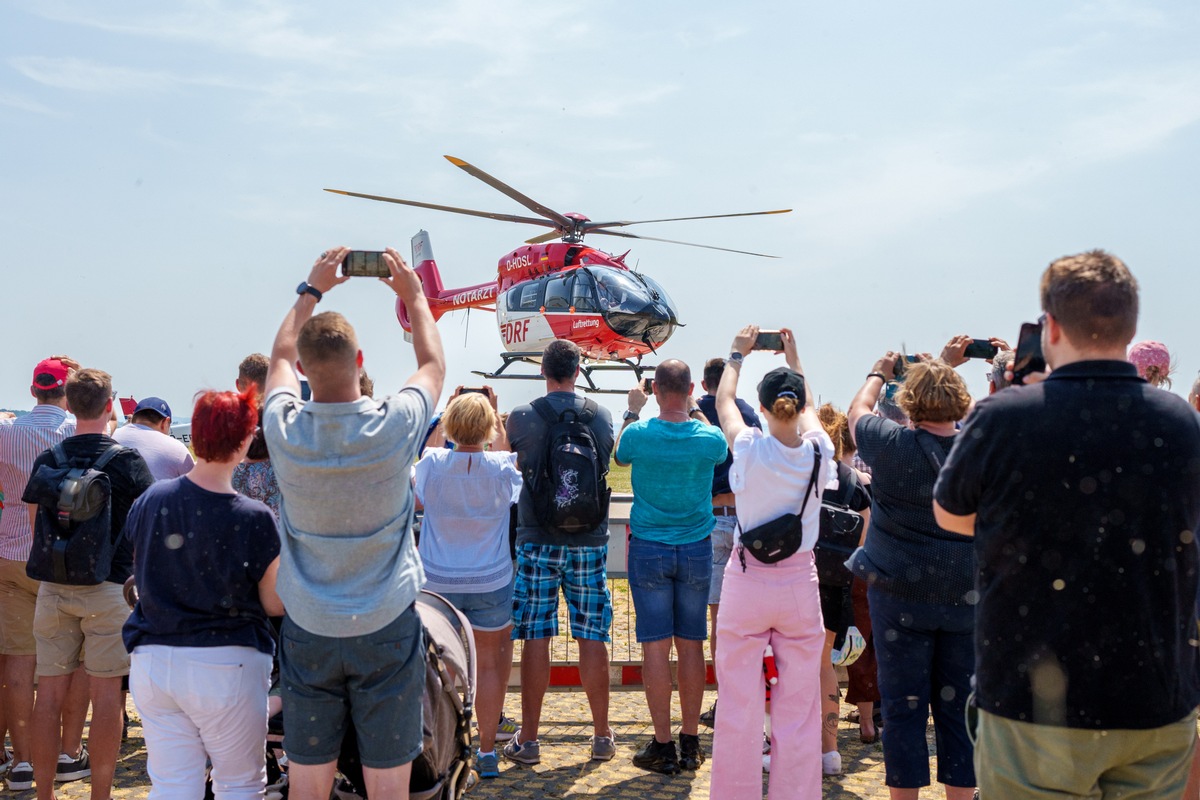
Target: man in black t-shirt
{"points": [[1083, 495], [70, 621]]}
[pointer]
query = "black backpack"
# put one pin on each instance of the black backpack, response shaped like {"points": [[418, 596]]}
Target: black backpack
{"points": [[73, 541], [841, 528], [569, 492]]}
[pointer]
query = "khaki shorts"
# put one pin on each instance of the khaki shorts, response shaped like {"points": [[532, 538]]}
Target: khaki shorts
{"points": [[67, 617], [18, 597], [1023, 761]]}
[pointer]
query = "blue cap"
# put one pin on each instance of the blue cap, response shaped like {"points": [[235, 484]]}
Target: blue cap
{"points": [[155, 404]]}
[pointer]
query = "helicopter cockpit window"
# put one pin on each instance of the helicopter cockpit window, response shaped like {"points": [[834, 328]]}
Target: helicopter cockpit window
{"points": [[526, 296], [619, 291], [558, 293], [583, 298]]}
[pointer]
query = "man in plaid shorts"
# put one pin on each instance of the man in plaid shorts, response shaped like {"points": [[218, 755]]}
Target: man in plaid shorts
{"points": [[547, 560]]}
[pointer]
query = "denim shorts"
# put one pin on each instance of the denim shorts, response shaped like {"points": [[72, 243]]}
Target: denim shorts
{"points": [[487, 611], [378, 679], [669, 584], [722, 547], [583, 575]]}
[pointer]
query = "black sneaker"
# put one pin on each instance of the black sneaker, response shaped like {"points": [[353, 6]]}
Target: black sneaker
{"points": [[690, 754], [73, 769], [658, 757], [20, 777]]}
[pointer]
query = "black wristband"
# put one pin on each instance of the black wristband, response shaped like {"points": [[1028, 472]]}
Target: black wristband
{"points": [[879, 375]]}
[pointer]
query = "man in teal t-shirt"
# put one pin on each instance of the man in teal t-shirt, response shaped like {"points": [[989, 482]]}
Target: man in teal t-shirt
{"points": [[670, 555]]}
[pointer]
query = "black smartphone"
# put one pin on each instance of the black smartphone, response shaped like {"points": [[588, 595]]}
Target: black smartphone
{"points": [[1029, 358], [467, 390], [365, 264], [981, 348], [648, 385], [768, 340], [901, 362]]}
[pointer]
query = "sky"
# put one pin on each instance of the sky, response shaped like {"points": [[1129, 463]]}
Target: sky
{"points": [[163, 165]]}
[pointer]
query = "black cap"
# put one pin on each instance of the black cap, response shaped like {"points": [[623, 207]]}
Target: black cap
{"points": [[781, 382]]}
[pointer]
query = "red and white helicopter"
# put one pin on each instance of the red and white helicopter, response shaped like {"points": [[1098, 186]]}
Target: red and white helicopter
{"points": [[559, 290]]}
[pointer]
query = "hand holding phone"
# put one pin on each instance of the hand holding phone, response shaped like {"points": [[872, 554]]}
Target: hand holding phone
{"points": [[768, 340], [1029, 358], [981, 348], [648, 385]]}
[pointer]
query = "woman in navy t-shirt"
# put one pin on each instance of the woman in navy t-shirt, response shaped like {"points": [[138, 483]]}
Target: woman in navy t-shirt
{"points": [[205, 560]]}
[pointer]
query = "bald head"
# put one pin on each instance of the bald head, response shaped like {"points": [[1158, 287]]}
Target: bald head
{"points": [[673, 378]]}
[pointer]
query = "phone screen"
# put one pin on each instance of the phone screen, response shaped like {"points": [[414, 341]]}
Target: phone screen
{"points": [[1029, 358], [365, 264], [769, 340], [648, 385], [981, 348]]}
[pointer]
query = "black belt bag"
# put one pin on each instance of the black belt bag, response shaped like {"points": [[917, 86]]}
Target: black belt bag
{"points": [[774, 541]]}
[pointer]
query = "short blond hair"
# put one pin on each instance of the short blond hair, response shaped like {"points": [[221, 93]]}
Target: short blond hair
{"points": [[933, 392], [469, 420]]}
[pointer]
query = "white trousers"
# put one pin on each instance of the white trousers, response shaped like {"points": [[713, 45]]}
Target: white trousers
{"points": [[198, 704]]}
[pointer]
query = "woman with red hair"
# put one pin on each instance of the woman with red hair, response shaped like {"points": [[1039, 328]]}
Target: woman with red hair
{"points": [[205, 560]]}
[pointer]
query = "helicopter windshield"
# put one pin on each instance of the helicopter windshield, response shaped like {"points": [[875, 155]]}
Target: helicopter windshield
{"points": [[634, 306], [619, 291]]}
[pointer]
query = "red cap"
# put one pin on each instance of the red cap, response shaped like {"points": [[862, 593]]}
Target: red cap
{"points": [[52, 367]]}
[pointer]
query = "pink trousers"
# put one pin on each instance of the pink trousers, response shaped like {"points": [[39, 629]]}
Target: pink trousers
{"points": [[776, 605]]}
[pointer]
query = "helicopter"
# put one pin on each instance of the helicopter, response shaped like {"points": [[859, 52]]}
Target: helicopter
{"points": [[548, 290]]}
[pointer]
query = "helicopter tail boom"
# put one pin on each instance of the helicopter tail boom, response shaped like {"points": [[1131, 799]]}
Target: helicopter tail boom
{"points": [[441, 300]]}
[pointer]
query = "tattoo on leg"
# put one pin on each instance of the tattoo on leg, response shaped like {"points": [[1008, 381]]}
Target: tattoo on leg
{"points": [[831, 722]]}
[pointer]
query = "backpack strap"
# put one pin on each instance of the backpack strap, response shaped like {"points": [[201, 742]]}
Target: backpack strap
{"points": [[589, 411], [60, 456], [542, 406], [933, 449], [108, 455]]}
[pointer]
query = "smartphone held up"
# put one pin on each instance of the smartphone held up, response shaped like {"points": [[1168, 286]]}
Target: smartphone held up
{"points": [[365, 264], [769, 340], [1028, 358]]}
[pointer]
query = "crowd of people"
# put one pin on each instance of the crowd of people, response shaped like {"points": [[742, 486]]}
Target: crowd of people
{"points": [[1026, 573]]}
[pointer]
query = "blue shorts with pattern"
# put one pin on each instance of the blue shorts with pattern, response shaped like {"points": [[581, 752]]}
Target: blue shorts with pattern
{"points": [[581, 572]]}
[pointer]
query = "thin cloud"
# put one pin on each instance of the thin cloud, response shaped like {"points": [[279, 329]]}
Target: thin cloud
{"points": [[25, 104]]}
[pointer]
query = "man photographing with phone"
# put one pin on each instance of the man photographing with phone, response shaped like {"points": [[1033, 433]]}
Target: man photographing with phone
{"points": [[351, 644]]}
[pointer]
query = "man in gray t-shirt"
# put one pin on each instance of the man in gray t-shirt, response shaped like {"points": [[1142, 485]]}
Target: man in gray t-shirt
{"points": [[351, 644]]}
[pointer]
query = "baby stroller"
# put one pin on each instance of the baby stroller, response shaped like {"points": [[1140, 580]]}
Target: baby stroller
{"points": [[443, 769]]}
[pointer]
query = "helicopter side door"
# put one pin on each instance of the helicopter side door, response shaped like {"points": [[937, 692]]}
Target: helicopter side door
{"points": [[523, 326]]}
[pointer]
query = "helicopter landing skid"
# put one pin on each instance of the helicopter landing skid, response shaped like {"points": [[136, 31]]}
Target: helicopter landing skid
{"points": [[585, 370]]}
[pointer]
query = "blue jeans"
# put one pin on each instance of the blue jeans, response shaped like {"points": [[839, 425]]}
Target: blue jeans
{"points": [[669, 584], [926, 655]]}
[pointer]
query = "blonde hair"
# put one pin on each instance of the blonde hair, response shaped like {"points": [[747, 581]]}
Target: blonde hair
{"points": [[469, 420], [837, 425], [785, 409], [933, 392]]}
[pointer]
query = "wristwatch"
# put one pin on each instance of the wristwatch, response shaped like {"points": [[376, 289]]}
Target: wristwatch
{"points": [[630, 416], [735, 358], [304, 288]]}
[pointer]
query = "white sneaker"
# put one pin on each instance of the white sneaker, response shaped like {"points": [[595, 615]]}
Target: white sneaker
{"points": [[831, 763], [7, 762]]}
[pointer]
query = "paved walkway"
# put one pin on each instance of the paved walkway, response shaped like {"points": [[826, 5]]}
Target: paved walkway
{"points": [[565, 771]]}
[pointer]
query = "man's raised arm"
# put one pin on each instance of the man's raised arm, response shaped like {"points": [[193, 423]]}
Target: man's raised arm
{"points": [[324, 276]]}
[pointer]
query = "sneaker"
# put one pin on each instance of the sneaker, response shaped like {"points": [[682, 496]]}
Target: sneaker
{"points": [[487, 766], [506, 729], [72, 769], [20, 777], [7, 762], [278, 790], [658, 757], [604, 747], [709, 717], [831, 763], [523, 752], [767, 763], [691, 756], [345, 790]]}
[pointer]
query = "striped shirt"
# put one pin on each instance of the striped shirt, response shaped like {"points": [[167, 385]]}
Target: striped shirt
{"points": [[22, 440]]}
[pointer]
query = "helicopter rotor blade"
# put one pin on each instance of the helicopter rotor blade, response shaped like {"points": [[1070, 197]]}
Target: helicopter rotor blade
{"points": [[544, 237], [591, 226], [675, 241], [489, 214], [563, 222]]}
